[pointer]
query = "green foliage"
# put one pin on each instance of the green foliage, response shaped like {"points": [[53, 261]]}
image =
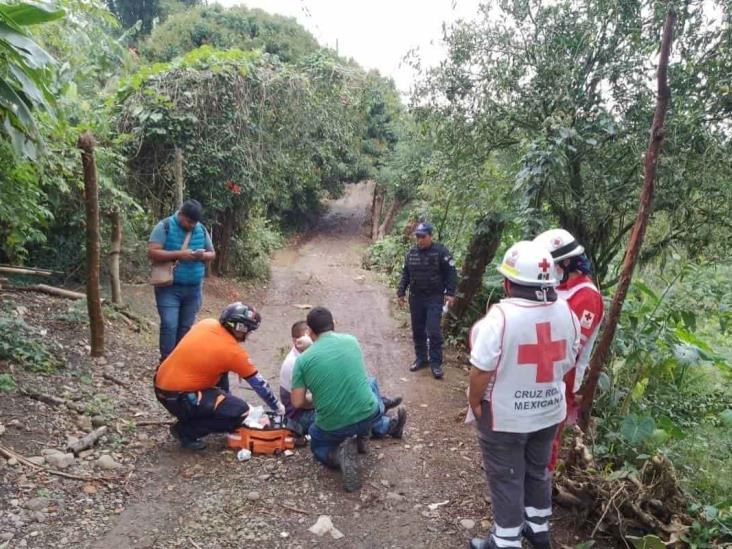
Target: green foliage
{"points": [[277, 138], [7, 383], [712, 528], [252, 247], [23, 346], [24, 73], [562, 91], [387, 256], [233, 28]]}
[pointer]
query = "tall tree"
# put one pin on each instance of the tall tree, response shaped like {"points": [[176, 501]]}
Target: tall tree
{"points": [[563, 87], [639, 227]]}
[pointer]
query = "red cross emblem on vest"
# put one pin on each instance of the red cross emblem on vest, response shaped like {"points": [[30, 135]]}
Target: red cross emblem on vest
{"points": [[544, 353]]}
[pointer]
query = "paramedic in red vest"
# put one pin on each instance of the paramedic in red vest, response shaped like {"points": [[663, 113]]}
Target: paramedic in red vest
{"points": [[520, 352], [576, 287]]}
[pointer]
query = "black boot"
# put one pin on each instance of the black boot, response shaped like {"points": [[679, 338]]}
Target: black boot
{"points": [[361, 444], [346, 458], [390, 403], [185, 442], [418, 365], [539, 540], [396, 425], [437, 372]]}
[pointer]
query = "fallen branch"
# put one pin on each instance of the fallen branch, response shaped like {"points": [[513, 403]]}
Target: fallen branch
{"points": [[42, 397], [24, 271], [70, 294], [153, 422], [8, 453], [87, 441], [115, 380], [295, 509], [53, 290]]}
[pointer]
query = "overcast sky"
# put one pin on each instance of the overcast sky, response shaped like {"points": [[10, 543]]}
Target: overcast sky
{"points": [[376, 33]]}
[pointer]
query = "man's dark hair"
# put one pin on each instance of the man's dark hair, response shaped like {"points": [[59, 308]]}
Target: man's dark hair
{"points": [[192, 209], [298, 329], [320, 320]]}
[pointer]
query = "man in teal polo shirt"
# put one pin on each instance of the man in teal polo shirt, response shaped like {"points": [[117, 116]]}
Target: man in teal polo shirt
{"points": [[178, 303], [347, 404]]}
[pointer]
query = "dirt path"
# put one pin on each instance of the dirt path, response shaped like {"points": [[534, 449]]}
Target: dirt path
{"points": [[209, 500]]}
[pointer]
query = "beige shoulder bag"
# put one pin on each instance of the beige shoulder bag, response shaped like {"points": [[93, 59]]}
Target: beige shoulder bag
{"points": [[162, 273]]}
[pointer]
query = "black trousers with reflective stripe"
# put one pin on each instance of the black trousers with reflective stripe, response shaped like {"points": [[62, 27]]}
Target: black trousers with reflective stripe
{"points": [[201, 415], [516, 468]]}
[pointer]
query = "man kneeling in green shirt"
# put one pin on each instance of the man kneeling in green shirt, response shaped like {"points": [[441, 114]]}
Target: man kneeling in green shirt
{"points": [[347, 403]]}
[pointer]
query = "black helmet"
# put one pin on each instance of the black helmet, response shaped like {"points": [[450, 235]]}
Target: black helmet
{"points": [[240, 317]]}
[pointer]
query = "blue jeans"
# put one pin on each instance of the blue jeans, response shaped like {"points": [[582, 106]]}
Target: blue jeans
{"points": [[426, 313], [301, 423], [322, 443], [177, 306]]}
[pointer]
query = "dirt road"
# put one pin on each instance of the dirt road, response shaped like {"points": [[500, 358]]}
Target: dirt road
{"points": [[425, 491]]}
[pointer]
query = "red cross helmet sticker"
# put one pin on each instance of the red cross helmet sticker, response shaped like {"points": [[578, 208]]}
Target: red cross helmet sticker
{"points": [[557, 242]]}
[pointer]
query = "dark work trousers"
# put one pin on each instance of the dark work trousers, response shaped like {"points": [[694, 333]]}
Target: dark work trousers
{"points": [[519, 482], [200, 413], [426, 315]]}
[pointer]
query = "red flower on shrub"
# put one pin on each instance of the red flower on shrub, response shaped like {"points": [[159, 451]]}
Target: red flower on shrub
{"points": [[233, 187]]}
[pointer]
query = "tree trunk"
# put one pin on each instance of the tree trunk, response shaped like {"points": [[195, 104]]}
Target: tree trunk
{"points": [[388, 224], [483, 246], [602, 351], [377, 206], [91, 196], [224, 234], [178, 177], [114, 256]]}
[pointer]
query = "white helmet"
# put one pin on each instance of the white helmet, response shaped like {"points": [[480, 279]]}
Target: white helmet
{"points": [[560, 243], [529, 264]]}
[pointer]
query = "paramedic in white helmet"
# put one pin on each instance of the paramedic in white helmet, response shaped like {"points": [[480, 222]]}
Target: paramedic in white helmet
{"points": [[520, 352], [576, 286]]}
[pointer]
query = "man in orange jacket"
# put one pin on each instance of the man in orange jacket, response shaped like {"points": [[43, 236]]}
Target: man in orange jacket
{"points": [[192, 382]]}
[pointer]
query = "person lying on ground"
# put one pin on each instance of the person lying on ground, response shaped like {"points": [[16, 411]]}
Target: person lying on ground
{"points": [[299, 420], [193, 385], [347, 405]]}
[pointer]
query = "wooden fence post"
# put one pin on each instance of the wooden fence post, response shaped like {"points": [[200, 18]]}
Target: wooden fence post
{"points": [[114, 255], [91, 200]]}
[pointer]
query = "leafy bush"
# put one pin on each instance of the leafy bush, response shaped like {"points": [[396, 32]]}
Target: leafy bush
{"points": [[7, 383], [252, 248], [387, 256], [21, 345]]}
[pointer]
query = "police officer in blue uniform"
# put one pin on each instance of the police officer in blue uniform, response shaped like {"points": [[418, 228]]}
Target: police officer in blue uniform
{"points": [[429, 273]]}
